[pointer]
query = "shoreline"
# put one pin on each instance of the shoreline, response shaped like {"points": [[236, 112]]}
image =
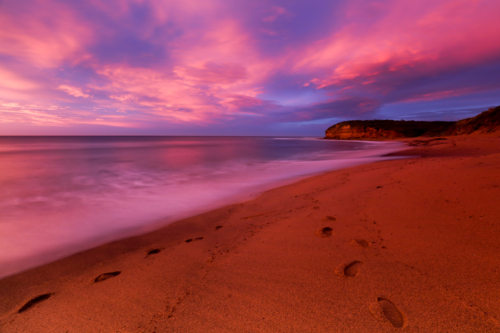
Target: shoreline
{"points": [[406, 237], [78, 233]]}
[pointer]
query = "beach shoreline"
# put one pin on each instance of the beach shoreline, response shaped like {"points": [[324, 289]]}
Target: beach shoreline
{"points": [[376, 247], [65, 205]]}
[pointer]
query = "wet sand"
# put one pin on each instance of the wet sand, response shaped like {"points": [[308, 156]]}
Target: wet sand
{"points": [[408, 245]]}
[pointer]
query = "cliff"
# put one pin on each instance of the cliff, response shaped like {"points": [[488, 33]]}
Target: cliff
{"points": [[383, 129], [486, 122]]}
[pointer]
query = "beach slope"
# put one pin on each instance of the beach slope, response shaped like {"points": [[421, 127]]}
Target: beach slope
{"points": [[408, 245]]}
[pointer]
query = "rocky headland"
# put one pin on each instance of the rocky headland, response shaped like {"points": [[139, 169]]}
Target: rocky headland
{"points": [[486, 122]]}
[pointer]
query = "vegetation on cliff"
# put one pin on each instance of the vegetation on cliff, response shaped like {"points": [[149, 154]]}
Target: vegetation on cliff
{"points": [[486, 122]]}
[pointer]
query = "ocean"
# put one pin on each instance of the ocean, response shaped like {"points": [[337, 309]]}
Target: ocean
{"points": [[62, 195]]}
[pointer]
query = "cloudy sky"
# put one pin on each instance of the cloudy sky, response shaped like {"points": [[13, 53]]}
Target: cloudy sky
{"points": [[225, 67]]}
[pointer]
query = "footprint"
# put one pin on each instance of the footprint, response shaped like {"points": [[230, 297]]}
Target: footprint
{"points": [[360, 242], [258, 215], [34, 301], [353, 268], [385, 310], [190, 239], [324, 232], [106, 276], [153, 251], [329, 218]]}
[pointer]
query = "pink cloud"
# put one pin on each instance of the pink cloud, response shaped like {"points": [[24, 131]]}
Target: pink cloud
{"points": [[138, 62], [244, 104], [30, 114], [14, 85], [408, 34], [73, 91], [45, 33], [213, 73], [209, 63], [178, 97]]}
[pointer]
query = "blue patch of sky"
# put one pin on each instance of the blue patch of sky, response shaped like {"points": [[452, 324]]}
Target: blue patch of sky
{"points": [[304, 22], [289, 90], [128, 48], [77, 75]]}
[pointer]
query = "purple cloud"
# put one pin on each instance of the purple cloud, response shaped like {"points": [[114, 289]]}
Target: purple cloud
{"points": [[270, 67]]}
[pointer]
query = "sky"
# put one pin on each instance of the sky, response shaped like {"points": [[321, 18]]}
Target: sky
{"points": [[225, 67]]}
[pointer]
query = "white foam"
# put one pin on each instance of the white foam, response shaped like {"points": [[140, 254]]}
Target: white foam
{"points": [[38, 229]]}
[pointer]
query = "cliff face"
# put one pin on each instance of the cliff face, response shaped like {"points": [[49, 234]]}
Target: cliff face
{"points": [[486, 122], [346, 131], [382, 129]]}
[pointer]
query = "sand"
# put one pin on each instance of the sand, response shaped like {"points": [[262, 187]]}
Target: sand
{"points": [[406, 245]]}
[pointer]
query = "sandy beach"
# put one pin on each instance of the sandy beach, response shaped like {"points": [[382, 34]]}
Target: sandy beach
{"points": [[410, 245]]}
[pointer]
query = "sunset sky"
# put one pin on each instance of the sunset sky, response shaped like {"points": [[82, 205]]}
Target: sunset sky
{"points": [[262, 67]]}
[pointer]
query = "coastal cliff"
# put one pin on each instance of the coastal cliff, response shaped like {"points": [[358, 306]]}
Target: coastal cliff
{"points": [[486, 122], [383, 129]]}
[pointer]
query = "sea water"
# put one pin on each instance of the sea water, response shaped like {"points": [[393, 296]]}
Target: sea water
{"points": [[63, 195]]}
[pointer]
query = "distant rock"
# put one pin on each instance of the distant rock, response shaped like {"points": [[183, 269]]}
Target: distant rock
{"points": [[486, 122]]}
